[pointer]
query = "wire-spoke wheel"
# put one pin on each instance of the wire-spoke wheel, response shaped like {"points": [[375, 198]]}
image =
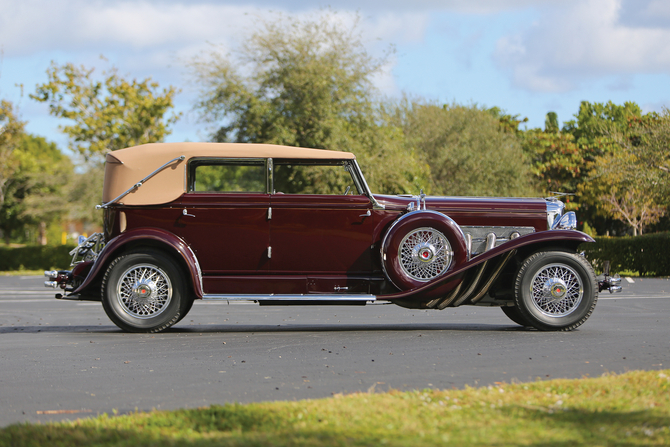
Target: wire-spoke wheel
{"points": [[555, 290], [144, 292], [425, 254], [420, 247]]}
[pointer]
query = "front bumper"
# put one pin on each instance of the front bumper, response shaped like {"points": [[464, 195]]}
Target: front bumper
{"points": [[611, 283]]}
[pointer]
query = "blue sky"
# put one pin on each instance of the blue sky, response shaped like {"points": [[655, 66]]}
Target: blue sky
{"points": [[527, 57]]}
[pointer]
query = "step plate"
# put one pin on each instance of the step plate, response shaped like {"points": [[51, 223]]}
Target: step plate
{"points": [[297, 299]]}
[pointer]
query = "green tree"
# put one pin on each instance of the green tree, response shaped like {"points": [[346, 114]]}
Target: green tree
{"points": [[624, 195], [551, 123], [557, 164], [469, 151], [595, 123], [36, 194], [631, 182], [306, 83], [508, 123], [563, 161], [11, 131], [106, 114], [649, 141]]}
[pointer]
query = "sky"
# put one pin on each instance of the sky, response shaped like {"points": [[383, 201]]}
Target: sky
{"points": [[527, 57]]}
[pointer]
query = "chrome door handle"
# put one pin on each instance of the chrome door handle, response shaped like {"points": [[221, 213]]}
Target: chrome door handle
{"points": [[185, 213], [367, 214]]}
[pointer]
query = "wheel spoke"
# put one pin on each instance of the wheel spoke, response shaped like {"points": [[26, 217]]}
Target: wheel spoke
{"points": [[425, 254], [556, 290], [144, 291]]}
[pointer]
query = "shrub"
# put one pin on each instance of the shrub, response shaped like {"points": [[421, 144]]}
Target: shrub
{"points": [[646, 254], [38, 257]]}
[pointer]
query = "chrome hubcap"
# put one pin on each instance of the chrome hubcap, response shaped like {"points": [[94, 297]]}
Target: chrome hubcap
{"points": [[556, 290], [425, 254], [144, 291]]}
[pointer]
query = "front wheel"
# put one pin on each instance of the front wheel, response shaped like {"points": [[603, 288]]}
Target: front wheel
{"points": [[514, 315], [555, 291], [144, 291]]}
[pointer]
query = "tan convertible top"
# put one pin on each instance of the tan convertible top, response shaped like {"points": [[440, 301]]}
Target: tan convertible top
{"points": [[125, 167]]}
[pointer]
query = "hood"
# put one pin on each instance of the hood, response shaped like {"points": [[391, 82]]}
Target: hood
{"points": [[479, 211]]}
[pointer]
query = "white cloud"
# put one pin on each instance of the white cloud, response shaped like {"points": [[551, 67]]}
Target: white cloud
{"points": [[646, 13], [583, 40], [29, 26], [403, 6], [36, 25], [156, 39]]}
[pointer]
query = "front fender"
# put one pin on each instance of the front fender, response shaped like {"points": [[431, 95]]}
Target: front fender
{"points": [[570, 237], [157, 238]]}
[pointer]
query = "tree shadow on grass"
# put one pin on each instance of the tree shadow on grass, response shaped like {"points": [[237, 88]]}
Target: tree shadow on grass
{"points": [[252, 425]]}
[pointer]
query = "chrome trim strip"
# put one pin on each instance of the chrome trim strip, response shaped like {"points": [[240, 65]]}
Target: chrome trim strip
{"points": [[288, 297], [140, 183], [478, 234]]}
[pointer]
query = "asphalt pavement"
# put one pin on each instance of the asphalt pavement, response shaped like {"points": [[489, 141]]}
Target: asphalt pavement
{"points": [[66, 360]]}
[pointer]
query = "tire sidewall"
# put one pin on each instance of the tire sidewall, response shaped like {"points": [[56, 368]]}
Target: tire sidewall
{"points": [[515, 315], [391, 247], [116, 312], [524, 299]]}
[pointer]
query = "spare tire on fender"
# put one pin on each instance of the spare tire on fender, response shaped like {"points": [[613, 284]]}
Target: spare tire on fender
{"points": [[421, 246]]}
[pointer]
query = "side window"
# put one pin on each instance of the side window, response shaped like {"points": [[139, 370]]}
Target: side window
{"points": [[227, 176], [313, 177]]}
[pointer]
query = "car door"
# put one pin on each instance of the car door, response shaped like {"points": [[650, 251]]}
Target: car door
{"points": [[225, 216], [317, 230]]}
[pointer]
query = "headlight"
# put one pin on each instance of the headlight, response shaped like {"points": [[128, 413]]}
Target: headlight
{"points": [[554, 211], [567, 221]]}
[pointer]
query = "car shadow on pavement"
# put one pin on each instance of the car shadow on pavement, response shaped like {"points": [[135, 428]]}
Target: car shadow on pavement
{"points": [[267, 328]]}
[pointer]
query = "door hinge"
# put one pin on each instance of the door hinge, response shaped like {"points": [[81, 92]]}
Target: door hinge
{"points": [[269, 213], [269, 252]]}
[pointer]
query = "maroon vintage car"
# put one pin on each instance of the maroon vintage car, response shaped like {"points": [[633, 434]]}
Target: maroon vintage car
{"points": [[281, 225]]}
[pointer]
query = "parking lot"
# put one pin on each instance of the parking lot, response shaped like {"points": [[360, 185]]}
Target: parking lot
{"points": [[65, 360]]}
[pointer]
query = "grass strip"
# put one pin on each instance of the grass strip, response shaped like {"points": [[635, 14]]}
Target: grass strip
{"points": [[22, 273], [630, 409]]}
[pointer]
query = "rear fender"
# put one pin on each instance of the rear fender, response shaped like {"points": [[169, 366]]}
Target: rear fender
{"points": [[156, 238], [531, 242]]}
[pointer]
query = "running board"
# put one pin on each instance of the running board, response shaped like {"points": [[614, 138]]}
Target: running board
{"points": [[296, 299]]}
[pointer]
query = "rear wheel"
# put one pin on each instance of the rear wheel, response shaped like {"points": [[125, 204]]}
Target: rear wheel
{"points": [[144, 292], [555, 291]]}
